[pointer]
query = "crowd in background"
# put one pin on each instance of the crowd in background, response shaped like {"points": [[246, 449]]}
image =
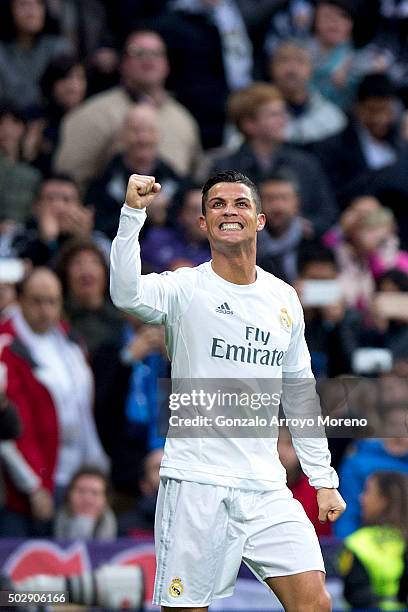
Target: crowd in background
{"points": [[307, 98]]}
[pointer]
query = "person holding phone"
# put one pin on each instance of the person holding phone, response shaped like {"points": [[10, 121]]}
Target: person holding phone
{"points": [[333, 329]]}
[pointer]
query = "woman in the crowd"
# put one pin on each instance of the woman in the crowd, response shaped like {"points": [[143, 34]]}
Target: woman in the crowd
{"points": [[334, 58], [366, 245], [26, 50], [84, 275], [63, 87], [18, 180], [372, 561]]}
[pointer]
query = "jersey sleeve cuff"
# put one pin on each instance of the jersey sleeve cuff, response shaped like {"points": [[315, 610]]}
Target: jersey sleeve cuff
{"points": [[138, 213], [331, 481]]}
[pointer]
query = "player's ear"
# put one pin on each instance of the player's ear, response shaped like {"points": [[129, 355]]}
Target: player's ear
{"points": [[261, 222], [203, 223]]}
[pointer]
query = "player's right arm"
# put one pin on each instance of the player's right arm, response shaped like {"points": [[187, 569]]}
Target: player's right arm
{"points": [[154, 298]]}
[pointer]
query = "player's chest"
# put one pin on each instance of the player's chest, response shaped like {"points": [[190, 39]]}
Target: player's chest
{"points": [[254, 321]]}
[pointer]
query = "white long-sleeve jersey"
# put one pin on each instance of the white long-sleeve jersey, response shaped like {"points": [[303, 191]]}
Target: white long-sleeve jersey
{"points": [[219, 330]]}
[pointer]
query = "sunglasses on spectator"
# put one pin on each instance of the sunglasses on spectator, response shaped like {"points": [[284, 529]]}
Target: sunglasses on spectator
{"points": [[141, 53]]}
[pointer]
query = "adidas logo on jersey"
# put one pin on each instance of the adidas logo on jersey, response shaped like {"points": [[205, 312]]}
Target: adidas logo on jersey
{"points": [[224, 309]]}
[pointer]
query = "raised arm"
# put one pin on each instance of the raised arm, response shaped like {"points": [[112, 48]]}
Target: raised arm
{"points": [[154, 298]]}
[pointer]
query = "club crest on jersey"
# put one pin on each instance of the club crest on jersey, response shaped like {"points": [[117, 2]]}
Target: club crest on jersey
{"points": [[285, 319], [176, 587]]}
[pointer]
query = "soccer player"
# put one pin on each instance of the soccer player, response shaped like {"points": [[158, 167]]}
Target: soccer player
{"points": [[225, 499]]}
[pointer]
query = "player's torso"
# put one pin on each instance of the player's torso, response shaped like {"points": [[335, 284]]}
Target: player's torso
{"points": [[232, 331]]}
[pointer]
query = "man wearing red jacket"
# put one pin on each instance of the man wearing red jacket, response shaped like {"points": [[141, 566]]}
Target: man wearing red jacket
{"points": [[50, 383]]}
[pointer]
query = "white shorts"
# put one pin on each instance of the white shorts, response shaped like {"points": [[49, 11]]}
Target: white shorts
{"points": [[203, 531]]}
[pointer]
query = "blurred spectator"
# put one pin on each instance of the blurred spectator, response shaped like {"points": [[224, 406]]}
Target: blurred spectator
{"points": [[259, 113], [83, 272], [335, 73], [58, 215], [368, 456], [139, 520], [389, 313], [298, 482], [86, 513], [50, 383], [63, 88], [207, 38], [163, 246], [28, 51], [311, 116], [387, 48], [87, 26], [365, 248], [278, 243], [332, 329], [90, 132], [257, 17], [392, 388], [357, 208], [370, 141], [348, 396], [390, 186], [129, 402], [372, 562], [293, 20], [18, 180], [140, 137], [84, 25]]}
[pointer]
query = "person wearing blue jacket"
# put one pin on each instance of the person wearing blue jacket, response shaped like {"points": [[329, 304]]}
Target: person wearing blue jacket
{"points": [[369, 456]]}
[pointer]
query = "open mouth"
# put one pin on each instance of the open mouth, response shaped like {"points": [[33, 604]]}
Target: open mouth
{"points": [[231, 226]]}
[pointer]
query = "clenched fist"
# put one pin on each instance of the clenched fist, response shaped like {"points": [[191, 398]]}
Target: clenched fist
{"points": [[141, 190], [331, 505]]}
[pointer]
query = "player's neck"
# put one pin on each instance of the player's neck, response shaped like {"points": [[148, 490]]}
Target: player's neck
{"points": [[235, 268]]}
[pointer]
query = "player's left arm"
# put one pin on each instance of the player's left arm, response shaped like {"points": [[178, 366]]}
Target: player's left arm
{"points": [[300, 401]]}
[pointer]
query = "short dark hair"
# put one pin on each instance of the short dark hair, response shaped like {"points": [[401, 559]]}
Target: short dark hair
{"points": [[375, 86], [398, 277], [69, 251], [56, 176], [231, 176], [313, 251], [88, 470], [58, 68], [8, 107], [140, 30]]}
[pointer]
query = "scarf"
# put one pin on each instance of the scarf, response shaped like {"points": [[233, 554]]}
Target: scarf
{"points": [[283, 249], [68, 527]]}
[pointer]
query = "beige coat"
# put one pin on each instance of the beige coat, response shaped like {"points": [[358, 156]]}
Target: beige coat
{"points": [[90, 136]]}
